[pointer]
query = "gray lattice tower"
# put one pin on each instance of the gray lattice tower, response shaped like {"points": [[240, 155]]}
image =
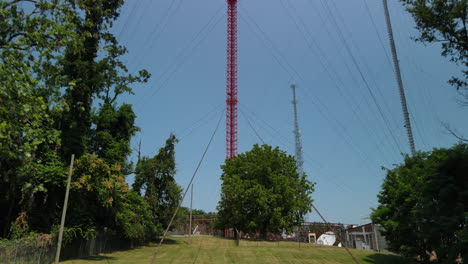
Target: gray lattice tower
{"points": [[297, 134], [401, 89]]}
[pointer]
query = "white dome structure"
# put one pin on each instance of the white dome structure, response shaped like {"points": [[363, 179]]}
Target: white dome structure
{"points": [[327, 239]]}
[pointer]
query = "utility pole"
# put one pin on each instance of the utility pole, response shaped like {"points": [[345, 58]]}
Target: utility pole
{"points": [[190, 226], [64, 211], [297, 135], [401, 89]]}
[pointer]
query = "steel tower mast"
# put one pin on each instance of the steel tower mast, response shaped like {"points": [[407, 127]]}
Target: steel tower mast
{"points": [[231, 76], [297, 135], [401, 89]]}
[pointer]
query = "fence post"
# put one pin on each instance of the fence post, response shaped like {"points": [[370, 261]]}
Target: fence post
{"points": [[40, 254], [16, 249], [64, 212], [190, 226], [376, 238]]}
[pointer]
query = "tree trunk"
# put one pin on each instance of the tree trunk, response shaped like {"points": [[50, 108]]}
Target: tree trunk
{"points": [[10, 210]]}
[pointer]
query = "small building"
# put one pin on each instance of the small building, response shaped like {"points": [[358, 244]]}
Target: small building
{"points": [[367, 237]]}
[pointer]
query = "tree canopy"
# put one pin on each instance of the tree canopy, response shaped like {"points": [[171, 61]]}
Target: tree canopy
{"points": [[445, 22], [424, 206], [61, 87], [262, 192], [154, 178]]}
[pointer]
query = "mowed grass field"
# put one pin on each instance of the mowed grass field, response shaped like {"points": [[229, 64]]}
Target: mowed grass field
{"points": [[207, 249]]}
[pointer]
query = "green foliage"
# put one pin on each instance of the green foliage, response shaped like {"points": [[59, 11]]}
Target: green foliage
{"points": [[444, 22], [424, 205], [58, 60], [156, 177], [135, 218], [70, 234], [29, 41], [262, 191], [114, 128], [92, 69], [96, 187]]}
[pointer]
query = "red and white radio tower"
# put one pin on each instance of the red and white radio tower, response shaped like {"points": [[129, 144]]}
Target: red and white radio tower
{"points": [[231, 86]]}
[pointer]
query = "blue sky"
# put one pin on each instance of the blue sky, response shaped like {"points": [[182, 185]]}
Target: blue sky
{"points": [[345, 139]]}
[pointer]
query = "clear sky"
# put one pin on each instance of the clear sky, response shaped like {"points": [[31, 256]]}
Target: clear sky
{"points": [[182, 43]]}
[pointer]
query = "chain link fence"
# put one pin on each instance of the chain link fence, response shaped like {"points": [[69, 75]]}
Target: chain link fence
{"points": [[41, 249], [36, 249]]}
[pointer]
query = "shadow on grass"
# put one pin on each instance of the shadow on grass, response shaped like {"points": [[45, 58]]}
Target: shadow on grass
{"points": [[384, 259], [99, 258], [102, 256], [169, 241]]}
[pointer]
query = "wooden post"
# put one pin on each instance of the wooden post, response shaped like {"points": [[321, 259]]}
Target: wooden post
{"points": [[64, 211], [376, 238], [190, 226]]}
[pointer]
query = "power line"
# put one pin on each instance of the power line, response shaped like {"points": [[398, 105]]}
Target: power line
{"points": [[316, 164], [201, 121], [205, 119], [340, 34], [254, 130], [158, 29], [263, 36], [274, 130], [138, 22], [420, 134], [280, 59], [124, 26], [334, 76], [377, 33], [365, 65], [186, 190], [361, 74], [326, 222], [339, 236], [287, 141], [186, 53]]}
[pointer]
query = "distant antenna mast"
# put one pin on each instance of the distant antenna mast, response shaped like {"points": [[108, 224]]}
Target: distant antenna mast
{"points": [[396, 64], [297, 135]]}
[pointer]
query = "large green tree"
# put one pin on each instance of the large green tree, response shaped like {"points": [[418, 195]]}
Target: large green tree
{"points": [[60, 80], [444, 22], [93, 70], [93, 123], [262, 192], [32, 36], [424, 206], [154, 179]]}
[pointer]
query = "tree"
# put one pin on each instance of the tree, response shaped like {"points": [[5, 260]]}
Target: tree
{"points": [[57, 61], [445, 22], [92, 69], [154, 177], [32, 33], [111, 135], [424, 206], [134, 218], [262, 192]]}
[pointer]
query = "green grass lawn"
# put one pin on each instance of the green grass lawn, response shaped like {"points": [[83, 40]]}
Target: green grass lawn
{"points": [[207, 249]]}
